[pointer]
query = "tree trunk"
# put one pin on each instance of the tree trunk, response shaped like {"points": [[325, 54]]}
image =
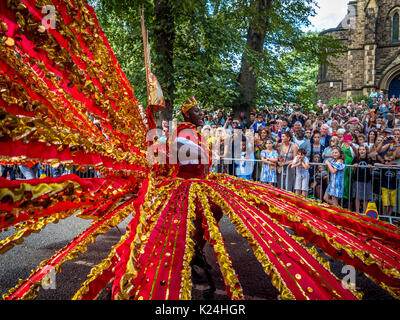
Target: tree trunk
{"points": [[247, 80], [164, 36]]}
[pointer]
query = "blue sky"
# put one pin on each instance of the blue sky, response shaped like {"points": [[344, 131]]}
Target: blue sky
{"points": [[329, 14]]}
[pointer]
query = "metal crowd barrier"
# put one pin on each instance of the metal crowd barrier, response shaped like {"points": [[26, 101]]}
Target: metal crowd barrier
{"points": [[286, 181]]}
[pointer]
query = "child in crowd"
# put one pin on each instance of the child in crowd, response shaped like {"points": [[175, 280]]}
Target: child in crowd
{"points": [[318, 177], [336, 179], [301, 163], [388, 184], [362, 187], [269, 157]]}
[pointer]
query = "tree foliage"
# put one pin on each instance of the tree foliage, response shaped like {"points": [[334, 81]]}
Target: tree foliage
{"points": [[207, 45]]}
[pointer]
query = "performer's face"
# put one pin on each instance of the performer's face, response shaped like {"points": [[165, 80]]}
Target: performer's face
{"points": [[195, 116]]}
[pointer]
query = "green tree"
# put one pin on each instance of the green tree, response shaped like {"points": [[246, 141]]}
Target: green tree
{"points": [[232, 54]]}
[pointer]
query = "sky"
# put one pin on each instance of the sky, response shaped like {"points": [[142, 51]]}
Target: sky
{"points": [[329, 14]]}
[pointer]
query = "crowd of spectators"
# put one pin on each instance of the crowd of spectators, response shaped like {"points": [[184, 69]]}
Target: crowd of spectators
{"points": [[340, 154]]}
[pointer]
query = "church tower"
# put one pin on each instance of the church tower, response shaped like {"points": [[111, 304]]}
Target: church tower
{"points": [[370, 31]]}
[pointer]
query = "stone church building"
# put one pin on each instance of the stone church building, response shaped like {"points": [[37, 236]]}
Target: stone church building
{"points": [[371, 31]]}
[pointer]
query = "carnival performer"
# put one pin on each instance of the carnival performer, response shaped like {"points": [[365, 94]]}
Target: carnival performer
{"points": [[194, 161]]}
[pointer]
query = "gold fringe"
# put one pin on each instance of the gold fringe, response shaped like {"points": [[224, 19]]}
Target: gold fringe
{"points": [[186, 284], [98, 270], [224, 260], [73, 254], [147, 220], [37, 190], [352, 252], [269, 268], [36, 227]]}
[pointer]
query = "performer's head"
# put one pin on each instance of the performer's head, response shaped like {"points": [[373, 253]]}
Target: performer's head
{"points": [[192, 113]]}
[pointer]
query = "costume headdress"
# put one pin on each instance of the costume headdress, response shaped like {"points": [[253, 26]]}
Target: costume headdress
{"points": [[187, 106]]}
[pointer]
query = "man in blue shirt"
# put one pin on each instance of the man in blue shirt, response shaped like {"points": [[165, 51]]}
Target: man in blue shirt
{"points": [[259, 123]]}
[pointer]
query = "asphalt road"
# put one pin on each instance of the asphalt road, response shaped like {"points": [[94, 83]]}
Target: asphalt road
{"points": [[18, 262]]}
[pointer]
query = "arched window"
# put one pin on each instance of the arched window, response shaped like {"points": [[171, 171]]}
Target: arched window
{"points": [[396, 27]]}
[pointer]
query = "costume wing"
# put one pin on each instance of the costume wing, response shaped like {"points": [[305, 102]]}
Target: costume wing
{"points": [[64, 100]]}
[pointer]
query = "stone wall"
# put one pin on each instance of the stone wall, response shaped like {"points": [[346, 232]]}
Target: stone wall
{"points": [[326, 92]]}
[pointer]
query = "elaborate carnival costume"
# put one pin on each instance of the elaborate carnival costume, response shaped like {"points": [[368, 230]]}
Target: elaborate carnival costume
{"points": [[52, 82]]}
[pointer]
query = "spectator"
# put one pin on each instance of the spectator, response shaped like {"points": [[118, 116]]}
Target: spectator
{"points": [[228, 126], [242, 120], [269, 157], [259, 123], [328, 152], [333, 127], [287, 152], [388, 184], [164, 137], [371, 140], [373, 93], [285, 125], [374, 152], [209, 121], [397, 120], [260, 140], [361, 140], [383, 111], [164, 124], [380, 124], [302, 141], [301, 165], [245, 166], [349, 151], [297, 117], [308, 134], [390, 121], [315, 146], [251, 122], [236, 125], [207, 135], [308, 125], [318, 177], [362, 187], [42, 168], [29, 172], [340, 134], [325, 137], [220, 119], [336, 168], [8, 169], [297, 127]]}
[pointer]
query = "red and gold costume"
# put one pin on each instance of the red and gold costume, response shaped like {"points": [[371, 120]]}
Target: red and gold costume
{"points": [[52, 83]]}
